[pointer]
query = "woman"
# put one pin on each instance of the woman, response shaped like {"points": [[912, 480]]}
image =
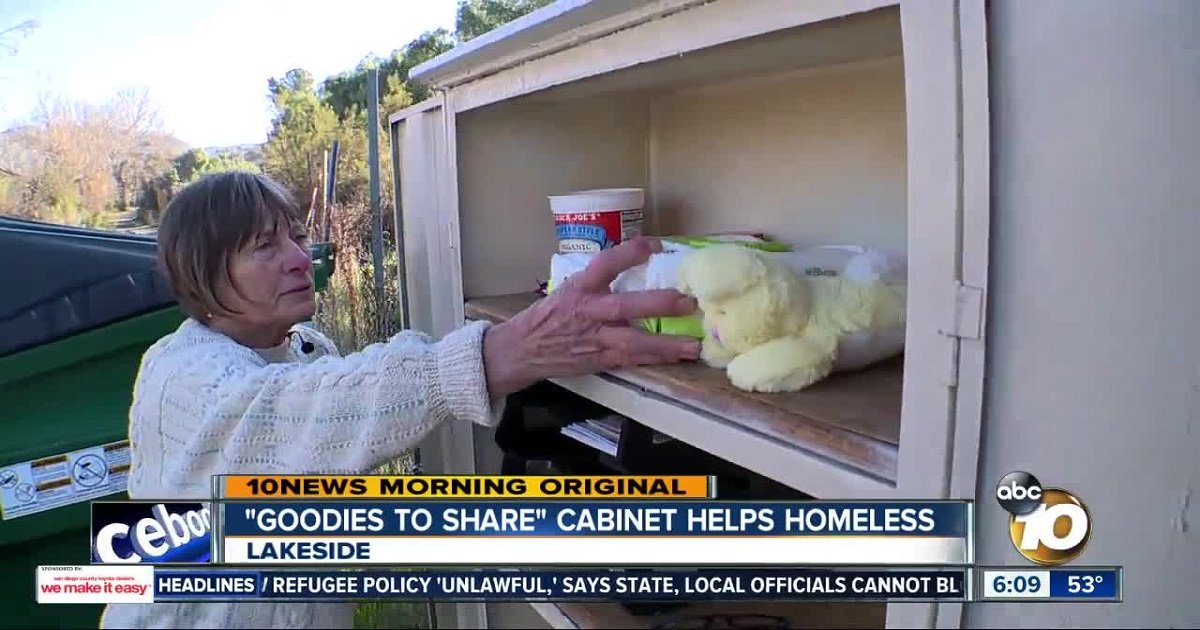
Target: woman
{"points": [[240, 387]]}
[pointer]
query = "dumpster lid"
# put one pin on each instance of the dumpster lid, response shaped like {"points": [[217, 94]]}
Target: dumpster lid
{"points": [[59, 281]]}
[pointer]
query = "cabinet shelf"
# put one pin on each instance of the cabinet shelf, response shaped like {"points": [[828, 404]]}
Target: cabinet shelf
{"points": [[796, 614], [850, 420]]}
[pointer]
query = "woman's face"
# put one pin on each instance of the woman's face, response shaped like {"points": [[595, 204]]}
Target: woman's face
{"points": [[274, 279]]}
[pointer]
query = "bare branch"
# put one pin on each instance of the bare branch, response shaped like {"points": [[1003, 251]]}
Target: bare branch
{"points": [[9, 35]]}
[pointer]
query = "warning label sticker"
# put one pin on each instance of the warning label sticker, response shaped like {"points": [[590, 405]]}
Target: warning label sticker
{"points": [[52, 482]]}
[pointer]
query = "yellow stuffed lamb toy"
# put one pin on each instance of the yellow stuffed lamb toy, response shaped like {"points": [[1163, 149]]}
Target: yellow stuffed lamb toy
{"points": [[772, 329]]}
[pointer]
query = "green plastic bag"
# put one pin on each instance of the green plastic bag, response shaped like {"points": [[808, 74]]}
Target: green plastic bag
{"points": [[704, 241], [691, 326]]}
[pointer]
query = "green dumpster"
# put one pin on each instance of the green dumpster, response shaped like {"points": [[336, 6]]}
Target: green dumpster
{"points": [[78, 308]]}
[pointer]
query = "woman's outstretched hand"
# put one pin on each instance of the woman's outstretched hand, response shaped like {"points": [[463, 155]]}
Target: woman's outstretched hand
{"points": [[582, 327]]}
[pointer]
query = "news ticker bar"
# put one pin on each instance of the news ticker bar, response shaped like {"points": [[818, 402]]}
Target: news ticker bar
{"points": [[149, 584]]}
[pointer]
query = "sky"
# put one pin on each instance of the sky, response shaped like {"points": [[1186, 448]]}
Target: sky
{"points": [[204, 63]]}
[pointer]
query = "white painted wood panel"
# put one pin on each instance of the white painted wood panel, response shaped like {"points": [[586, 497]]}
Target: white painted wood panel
{"points": [[934, 176], [975, 231], [931, 68], [701, 27], [558, 26], [419, 133], [815, 157], [1094, 364], [553, 615]]}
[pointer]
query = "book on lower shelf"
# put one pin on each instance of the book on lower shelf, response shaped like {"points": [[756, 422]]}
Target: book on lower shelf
{"points": [[603, 434], [746, 614]]}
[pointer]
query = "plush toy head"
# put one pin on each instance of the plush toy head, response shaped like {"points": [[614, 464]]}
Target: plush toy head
{"points": [[773, 329], [746, 298]]}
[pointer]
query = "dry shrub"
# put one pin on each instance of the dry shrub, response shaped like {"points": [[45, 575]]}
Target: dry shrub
{"points": [[350, 310]]}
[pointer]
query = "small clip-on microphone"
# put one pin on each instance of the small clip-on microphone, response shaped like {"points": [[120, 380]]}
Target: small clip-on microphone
{"points": [[305, 346]]}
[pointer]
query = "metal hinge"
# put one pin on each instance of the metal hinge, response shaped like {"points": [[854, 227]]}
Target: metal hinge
{"points": [[968, 313], [966, 323]]}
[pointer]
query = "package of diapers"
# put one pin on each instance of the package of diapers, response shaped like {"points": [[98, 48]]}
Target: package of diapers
{"points": [[853, 262], [659, 271]]}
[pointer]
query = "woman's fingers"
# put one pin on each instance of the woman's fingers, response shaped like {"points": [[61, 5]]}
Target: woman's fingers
{"points": [[609, 263], [623, 307], [584, 328], [630, 346]]}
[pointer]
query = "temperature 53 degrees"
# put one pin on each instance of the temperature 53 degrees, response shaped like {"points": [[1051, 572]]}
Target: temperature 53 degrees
{"points": [[1081, 583]]}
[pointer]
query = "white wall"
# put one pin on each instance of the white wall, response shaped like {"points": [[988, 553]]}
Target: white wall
{"points": [[1094, 323], [815, 157]]}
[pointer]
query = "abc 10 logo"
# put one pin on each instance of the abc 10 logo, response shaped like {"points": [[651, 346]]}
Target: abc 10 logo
{"points": [[1049, 526]]}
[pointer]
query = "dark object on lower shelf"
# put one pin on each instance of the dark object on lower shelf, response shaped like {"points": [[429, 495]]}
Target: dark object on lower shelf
{"points": [[530, 437], [644, 609], [724, 621]]}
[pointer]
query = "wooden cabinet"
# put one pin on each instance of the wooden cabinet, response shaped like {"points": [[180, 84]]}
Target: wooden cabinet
{"points": [[816, 122]]}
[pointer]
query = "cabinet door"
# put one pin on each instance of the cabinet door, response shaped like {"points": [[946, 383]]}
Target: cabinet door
{"points": [[431, 288], [431, 294], [945, 58], [420, 170]]}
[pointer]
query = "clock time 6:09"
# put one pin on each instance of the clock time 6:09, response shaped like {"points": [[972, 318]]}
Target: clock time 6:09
{"points": [[1016, 584]]}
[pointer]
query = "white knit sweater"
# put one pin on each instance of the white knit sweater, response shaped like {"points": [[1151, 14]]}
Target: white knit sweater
{"points": [[204, 405]]}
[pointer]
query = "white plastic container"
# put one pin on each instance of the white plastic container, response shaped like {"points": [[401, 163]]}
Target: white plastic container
{"points": [[592, 220]]}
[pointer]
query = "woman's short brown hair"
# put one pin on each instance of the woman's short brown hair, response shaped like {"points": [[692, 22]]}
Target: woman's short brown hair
{"points": [[206, 223]]}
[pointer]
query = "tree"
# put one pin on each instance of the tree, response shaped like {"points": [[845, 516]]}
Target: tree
{"points": [[476, 17], [302, 128], [79, 161], [308, 119], [348, 89], [395, 97], [10, 35], [136, 154], [77, 149], [8, 43], [425, 47], [197, 163]]}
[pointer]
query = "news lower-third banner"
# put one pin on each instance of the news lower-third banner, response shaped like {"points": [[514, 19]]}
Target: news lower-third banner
{"points": [[525, 533], [150, 584], [532, 532]]}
